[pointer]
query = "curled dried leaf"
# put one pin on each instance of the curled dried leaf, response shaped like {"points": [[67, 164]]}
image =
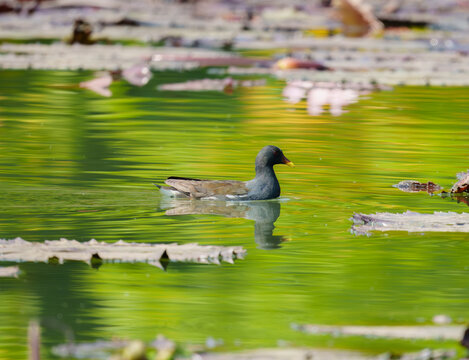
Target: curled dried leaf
{"points": [[463, 182], [416, 186]]}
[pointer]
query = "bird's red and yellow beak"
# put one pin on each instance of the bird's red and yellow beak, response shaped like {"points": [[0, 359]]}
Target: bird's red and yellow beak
{"points": [[287, 162]]}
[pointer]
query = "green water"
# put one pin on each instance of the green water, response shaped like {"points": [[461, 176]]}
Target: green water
{"points": [[80, 166]]}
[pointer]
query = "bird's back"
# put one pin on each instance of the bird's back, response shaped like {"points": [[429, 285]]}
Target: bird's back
{"points": [[198, 188]]}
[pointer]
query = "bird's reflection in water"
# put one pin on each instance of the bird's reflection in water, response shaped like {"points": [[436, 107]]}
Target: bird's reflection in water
{"points": [[264, 213]]}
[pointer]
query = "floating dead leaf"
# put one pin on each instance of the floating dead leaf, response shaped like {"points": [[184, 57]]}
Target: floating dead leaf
{"points": [[97, 349], [325, 354], [225, 85], [81, 33], [462, 184], [387, 61], [165, 347], [442, 319], [410, 221], [128, 349], [292, 63], [9, 271], [135, 350], [357, 18], [93, 251], [416, 186], [211, 61], [424, 332]]}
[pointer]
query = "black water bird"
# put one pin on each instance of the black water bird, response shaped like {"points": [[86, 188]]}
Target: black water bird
{"points": [[264, 186]]}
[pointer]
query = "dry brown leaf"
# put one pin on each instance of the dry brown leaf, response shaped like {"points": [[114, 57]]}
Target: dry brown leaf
{"points": [[357, 19], [462, 184], [416, 186]]}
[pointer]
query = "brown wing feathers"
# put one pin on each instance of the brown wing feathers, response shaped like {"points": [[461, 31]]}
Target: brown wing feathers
{"points": [[201, 188]]}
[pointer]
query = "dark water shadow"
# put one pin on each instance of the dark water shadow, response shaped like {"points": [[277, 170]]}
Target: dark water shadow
{"points": [[460, 198], [264, 213]]}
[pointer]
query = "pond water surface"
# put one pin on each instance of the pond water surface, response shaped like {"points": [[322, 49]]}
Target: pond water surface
{"points": [[79, 166]]}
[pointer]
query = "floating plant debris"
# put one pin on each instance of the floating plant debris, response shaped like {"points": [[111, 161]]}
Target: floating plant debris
{"points": [[9, 271], [290, 354], [434, 58], [102, 349], [166, 348], [410, 221], [81, 33], [422, 332], [226, 85], [326, 354], [222, 21], [357, 18], [377, 61], [62, 250], [292, 63], [463, 183], [416, 186], [112, 57]]}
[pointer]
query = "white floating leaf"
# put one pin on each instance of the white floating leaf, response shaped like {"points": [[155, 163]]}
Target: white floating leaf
{"points": [[411, 222], [63, 249], [9, 271]]}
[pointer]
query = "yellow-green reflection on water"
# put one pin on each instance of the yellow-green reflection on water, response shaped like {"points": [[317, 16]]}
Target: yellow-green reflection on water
{"points": [[75, 165]]}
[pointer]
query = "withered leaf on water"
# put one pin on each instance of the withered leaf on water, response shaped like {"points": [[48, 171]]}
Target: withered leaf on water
{"points": [[416, 186], [462, 184], [410, 221], [101, 348], [295, 353], [226, 85], [357, 19], [9, 271], [424, 332], [292, 63], [63, 249]]}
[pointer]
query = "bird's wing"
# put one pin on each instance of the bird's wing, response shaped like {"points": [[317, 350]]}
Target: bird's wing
{"points": [[202, 188]]}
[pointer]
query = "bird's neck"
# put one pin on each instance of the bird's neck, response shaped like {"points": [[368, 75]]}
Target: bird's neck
{"points": [[265, 185], [265, 173]]}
